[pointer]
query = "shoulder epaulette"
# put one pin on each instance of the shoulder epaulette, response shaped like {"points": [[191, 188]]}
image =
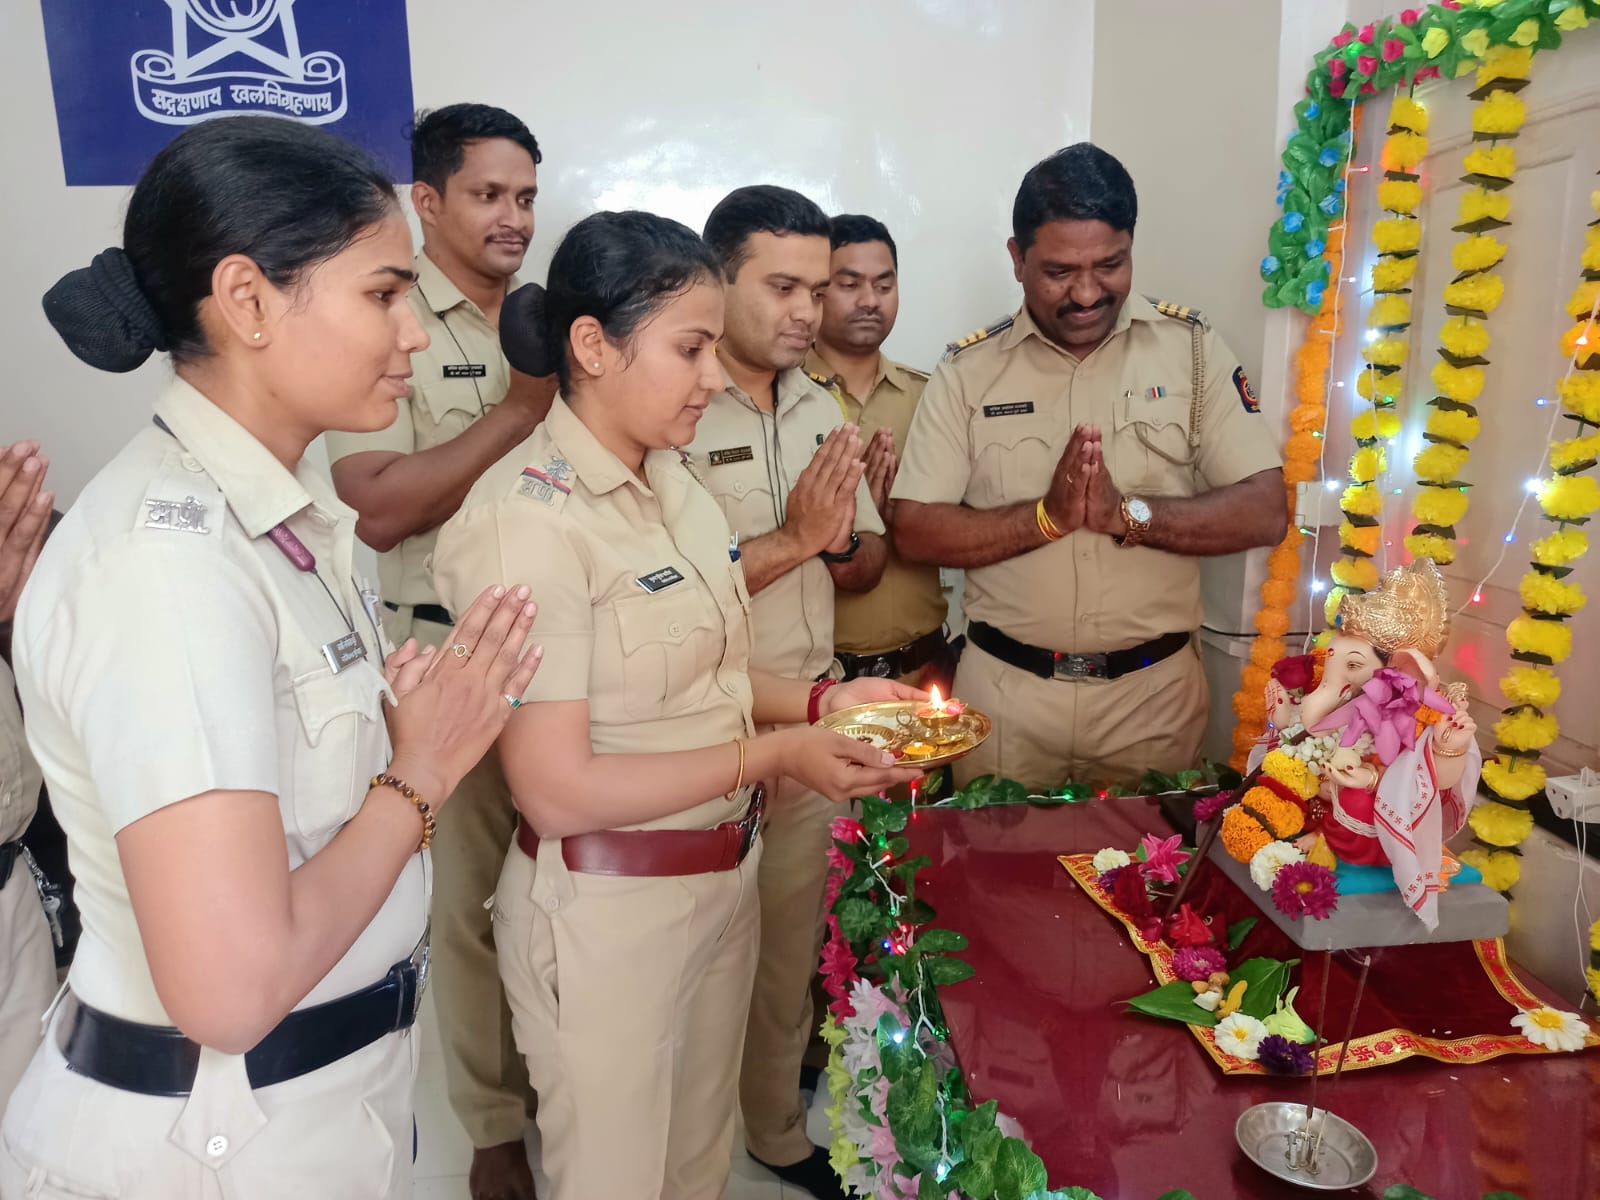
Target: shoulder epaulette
{"points": [[827, 381], [1180, 312], [980, 335]]}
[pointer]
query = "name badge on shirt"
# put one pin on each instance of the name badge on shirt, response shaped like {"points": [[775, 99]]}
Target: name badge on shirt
{"points": [[344, 652], [734, 454], [1017, 408], [465, 370], [658, 580]]}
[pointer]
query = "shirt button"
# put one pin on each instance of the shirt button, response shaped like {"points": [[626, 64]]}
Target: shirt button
{"points": [[552, 904], [217, 1146], [738, 488], [675, 629], [190, 463]]}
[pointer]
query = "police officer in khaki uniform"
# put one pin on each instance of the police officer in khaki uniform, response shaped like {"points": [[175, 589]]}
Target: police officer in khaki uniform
{"points": [[205, 684], [27, 965], [896, 629], [1078, 459], [787, 475], [476, 179], [626, 921]]}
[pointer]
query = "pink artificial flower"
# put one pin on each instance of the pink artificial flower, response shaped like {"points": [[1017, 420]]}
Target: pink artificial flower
{"points": [[1366, 64], [1162, 857], [1342, 39], [1305, 889], [830, 891], [1393, 49], [1193, 963], [1336, 87], [848, 829], [1452, 5], [1368, 32], [837, 859], [1337, 67], [1410, 16], [883, 1150], [1369, 89], [1428, 73], [1209, 806], [878, 1098], [838, 970]]}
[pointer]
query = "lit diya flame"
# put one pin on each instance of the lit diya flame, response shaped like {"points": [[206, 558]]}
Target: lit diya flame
{"points": [[940, 709]]}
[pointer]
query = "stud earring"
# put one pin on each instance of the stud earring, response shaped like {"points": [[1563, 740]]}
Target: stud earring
{"points": [[597, 366], [256, 336]]}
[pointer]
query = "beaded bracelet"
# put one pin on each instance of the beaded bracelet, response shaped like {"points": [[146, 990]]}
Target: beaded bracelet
{"points": [[411, 794]]}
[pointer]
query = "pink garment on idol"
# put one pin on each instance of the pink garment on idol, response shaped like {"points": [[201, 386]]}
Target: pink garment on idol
{"points": [[1386, 707]]}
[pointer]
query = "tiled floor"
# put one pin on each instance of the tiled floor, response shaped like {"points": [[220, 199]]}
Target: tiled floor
{"points": [[444, 1153]]}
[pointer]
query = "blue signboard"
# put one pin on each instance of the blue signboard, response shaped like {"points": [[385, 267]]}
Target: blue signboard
{"points": [[129, 75]]}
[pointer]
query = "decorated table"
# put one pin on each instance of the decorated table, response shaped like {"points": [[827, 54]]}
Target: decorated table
{"points": [[1131, 1107]]}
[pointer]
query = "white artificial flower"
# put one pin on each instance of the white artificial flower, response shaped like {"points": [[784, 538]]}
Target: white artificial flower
{"points": [[1552, 1028], [1209, 1000], [1109, 860], [1270, 859], [1240, 1035]]}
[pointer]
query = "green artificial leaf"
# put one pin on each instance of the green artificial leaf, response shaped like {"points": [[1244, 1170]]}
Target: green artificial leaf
{"points": [[940, 941], [941, 971], [1501, 1196], [1404, 1191], [972, 1178], [1072, 1193], [881, 817], [1173, 1002], [1267, 977], [917, 912], [1240, 930], [1176, 1194], [860, 920], [929, 1188], [899, 846], [977, 1121], [1018, 1171]]}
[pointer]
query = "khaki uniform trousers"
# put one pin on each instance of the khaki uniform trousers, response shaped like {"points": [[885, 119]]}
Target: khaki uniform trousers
{"points": [[627, 995], [1051, 731], [794, 868], [27, 976], [343, 1131], [485, 1076]]}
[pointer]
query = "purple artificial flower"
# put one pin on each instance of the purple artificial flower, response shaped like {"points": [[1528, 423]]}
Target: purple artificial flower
{"points": [[1194, 963], [1305, 889], [1209, 806], [1108, 879], [1282, 1057]]}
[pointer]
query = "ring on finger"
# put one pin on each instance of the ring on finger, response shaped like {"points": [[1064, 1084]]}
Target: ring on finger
{"points": [[461, 650], [514, 701]]}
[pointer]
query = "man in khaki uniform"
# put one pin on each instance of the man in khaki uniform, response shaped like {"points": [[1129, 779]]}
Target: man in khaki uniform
{"points": [[27, 965], [476, 179], [771, 450], [896, 629], [1077, 459]]}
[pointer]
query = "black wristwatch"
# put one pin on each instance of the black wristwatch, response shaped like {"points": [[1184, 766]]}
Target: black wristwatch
{"points": [[855, 544]]}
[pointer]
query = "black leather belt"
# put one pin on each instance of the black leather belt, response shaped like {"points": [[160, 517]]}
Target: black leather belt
{"points": [[155, 1060], [892, 664], [1052, 664], [9, 853], [436, 613]]}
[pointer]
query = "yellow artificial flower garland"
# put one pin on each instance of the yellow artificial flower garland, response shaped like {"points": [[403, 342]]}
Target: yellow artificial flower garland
{"points": [[1397, 237], [1540, 637], [1475, 292]]}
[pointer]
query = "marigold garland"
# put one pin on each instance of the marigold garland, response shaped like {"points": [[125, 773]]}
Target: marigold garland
{"points": [[1540, 637], [1458, 379]]}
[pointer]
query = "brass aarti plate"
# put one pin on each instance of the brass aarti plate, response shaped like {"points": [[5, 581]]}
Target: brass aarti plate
{"points": [[895, 726]]}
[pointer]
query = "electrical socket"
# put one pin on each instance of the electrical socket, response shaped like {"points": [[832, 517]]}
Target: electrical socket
{"points": [[1575, 797]]}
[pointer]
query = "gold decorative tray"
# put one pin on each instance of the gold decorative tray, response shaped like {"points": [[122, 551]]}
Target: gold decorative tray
{"points": [[895, 726]]}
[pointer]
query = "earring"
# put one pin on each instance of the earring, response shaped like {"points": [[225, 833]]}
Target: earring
{"points": [[256, 336], [597, 366]]}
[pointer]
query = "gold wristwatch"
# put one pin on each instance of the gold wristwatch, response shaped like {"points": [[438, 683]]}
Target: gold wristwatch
{"points": [[1136, 513]]}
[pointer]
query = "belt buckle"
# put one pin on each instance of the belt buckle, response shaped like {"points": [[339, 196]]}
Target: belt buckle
{"points": [[881, 668], [750, 825], [419, 960], [1079, 666]]}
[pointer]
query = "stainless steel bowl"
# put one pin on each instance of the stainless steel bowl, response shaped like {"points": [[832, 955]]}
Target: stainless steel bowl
{"points": [[1268, 1134]]}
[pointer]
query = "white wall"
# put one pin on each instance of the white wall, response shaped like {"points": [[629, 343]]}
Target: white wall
{"points": [[922, 112]]}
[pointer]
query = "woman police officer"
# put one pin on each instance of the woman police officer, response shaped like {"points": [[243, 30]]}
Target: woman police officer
{"points": [[206, 695], [626, 921]]}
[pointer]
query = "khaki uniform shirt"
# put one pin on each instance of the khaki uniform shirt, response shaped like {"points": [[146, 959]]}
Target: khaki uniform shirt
{"points": [[642, 612], [908, 602], [992, 425], [458, 378], [749, 460], [19, 774], [165, 648]]}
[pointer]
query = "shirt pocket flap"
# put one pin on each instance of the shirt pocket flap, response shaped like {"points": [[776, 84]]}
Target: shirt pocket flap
{"points": [[662, 619], [321, 698]]}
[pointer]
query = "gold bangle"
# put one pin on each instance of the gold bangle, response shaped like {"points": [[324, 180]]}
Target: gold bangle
{"points": [[411, 794], [1441, 752], [1046, 525], [738, 783]]}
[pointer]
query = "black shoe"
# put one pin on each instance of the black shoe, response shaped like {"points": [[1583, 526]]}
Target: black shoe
{"points": [[814, 1176]]}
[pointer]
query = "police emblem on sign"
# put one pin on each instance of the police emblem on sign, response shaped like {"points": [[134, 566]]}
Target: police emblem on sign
{"points": [[1247, 394], [547, 484], [181, 86]]}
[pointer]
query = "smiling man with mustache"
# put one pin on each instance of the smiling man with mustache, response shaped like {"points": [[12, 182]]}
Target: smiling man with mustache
{"points": [[1078, 459], [476, 173]]}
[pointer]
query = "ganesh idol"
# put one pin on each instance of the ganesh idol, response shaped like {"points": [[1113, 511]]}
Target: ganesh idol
{"points": [[1386, 753]]}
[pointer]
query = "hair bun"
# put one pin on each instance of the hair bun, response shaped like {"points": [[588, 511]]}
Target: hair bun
{"points": [[525, 332], [103, 314]]}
